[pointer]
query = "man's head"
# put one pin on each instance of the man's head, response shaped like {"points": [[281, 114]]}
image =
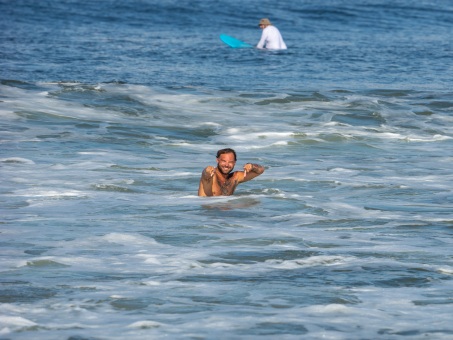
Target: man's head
{"points": [[227, 150], [226, 160], [264, 23]]}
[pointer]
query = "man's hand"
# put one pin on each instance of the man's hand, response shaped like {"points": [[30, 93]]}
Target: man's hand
{"points": [[247, 168], [209, 172]]}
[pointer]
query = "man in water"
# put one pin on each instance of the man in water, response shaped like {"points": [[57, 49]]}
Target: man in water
{"points": [[270, 37], [221, 181]]}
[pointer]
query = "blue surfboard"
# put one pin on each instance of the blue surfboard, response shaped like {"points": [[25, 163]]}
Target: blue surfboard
{"points": [[233, 42]]}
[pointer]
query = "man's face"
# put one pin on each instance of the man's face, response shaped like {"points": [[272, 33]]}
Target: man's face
{"points": [[226, 163]]}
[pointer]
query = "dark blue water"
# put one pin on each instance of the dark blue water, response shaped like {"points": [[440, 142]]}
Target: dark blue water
{"points": [[175, 43], [111, 109]]}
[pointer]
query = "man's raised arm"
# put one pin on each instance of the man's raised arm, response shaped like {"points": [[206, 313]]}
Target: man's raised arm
{"points": [[251, 171], [205, 188]]}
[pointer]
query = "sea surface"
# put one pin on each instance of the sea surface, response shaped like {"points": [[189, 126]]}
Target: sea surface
{"points": [[110, 110]]}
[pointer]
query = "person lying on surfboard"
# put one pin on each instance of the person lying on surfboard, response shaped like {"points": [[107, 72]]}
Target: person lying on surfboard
{"points": [[270, 37], [222, 181]]}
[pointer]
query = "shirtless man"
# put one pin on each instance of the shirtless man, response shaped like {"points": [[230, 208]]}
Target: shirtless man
{"points": [[221, 181]]}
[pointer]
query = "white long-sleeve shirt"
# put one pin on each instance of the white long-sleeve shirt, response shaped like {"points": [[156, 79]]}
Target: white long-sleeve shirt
{"points": [[271, 39]]}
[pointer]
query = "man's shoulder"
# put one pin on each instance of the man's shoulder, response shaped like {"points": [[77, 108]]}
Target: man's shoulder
{"points": [[237, 173]]}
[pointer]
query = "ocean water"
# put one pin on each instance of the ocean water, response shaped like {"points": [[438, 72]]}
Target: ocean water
{"points": [[111, 109]]}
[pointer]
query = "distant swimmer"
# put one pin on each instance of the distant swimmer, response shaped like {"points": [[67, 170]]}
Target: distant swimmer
{"points": [[222, 181], [270, 37]]}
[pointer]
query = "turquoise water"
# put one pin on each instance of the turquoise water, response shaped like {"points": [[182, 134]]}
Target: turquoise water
{"points": [[110, 112]]}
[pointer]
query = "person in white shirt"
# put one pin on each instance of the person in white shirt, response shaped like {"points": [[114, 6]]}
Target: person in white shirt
{"points": [[270, 38]]}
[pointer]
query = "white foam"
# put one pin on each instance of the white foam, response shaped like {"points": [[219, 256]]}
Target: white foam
{"points": [[50, 193], [311, 261], [446, 270], [151, 283], [150, 259], [328, 309], [16, 321], [128, 239]]}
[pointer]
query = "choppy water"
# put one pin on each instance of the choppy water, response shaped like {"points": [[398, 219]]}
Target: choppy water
{"points": [[110, 111]]}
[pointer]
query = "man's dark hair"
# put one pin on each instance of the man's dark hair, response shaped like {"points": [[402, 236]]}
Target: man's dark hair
{"points": [[227, 150]]}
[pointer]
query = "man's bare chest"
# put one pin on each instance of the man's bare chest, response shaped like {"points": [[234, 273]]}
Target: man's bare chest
{"points": [[221, 186]]}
